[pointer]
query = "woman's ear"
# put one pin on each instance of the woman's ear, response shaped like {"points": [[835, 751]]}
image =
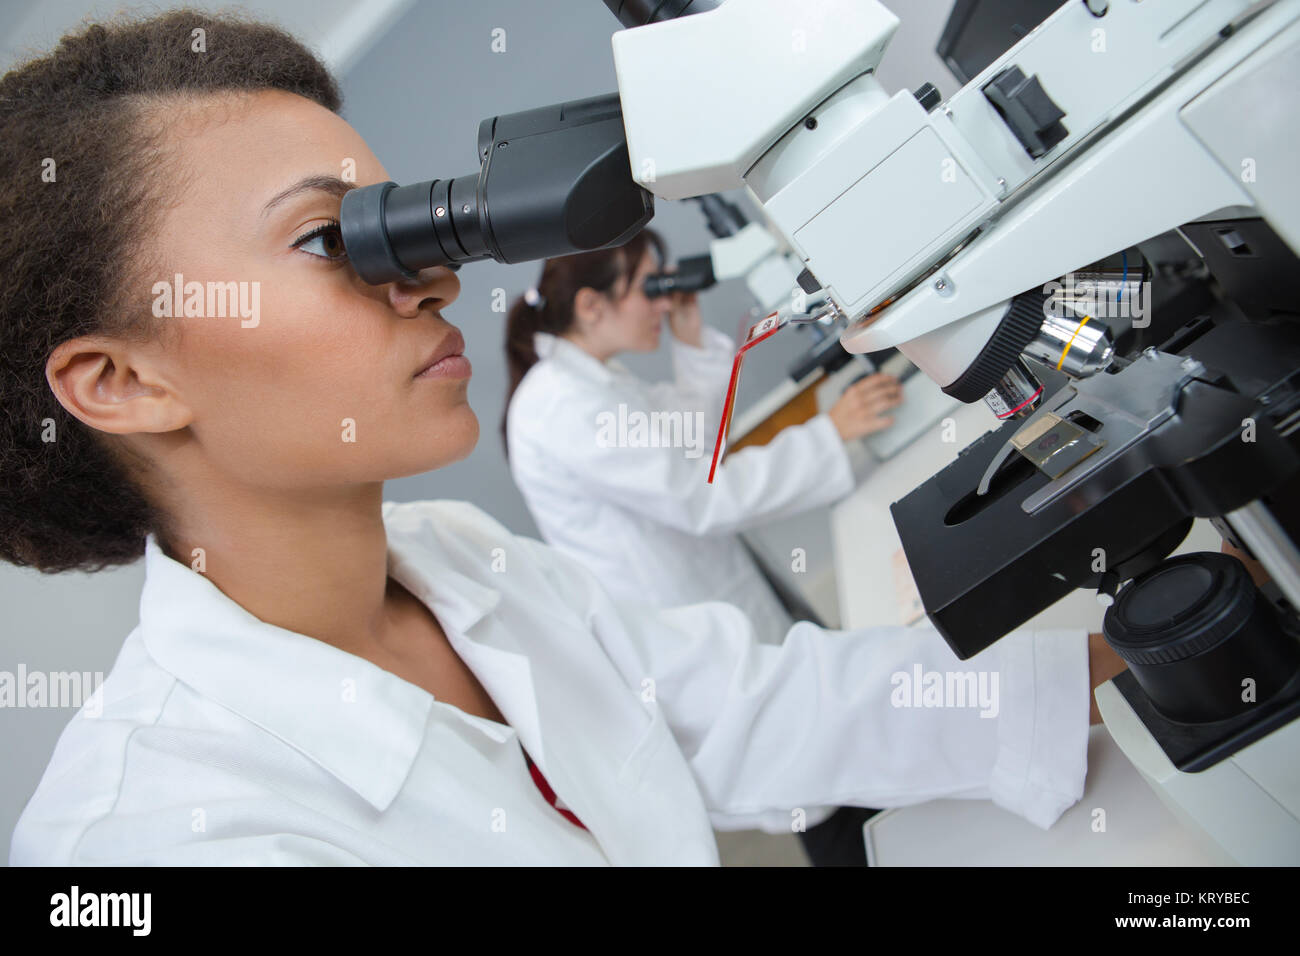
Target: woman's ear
{"points": [[114, 387], [588, 308]]}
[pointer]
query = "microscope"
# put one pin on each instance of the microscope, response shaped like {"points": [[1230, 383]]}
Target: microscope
{"points": [[759, 257], [1096, 236]]}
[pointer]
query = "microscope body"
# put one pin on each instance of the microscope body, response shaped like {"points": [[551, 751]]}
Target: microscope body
{"points": [[1147, 148]]}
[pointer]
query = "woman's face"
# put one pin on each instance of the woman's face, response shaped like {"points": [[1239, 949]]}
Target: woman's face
{"points": [[319, 387], [636, 321]]}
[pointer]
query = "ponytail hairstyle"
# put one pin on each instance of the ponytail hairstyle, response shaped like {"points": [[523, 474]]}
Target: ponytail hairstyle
{"points": [[548, 307]]}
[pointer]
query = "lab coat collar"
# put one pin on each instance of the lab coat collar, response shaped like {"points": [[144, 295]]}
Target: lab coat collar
{"points": [[426, 563], [368, 732], [420, 561], [544, 344], [572, 358]]}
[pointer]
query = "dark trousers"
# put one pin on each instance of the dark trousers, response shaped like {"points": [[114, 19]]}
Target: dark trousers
{"points": [[837, 840]]}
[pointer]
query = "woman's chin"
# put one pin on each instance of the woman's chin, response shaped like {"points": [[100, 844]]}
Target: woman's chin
{"points": [[456, 436]]}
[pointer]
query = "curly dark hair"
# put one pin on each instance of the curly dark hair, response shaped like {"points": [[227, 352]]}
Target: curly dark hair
{"points": [[72, 243]]}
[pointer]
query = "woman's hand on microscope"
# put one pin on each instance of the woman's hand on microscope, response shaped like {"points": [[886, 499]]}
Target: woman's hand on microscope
{"points": [[1253, 567], [1103, 664], [684, 319], [861, 409]]}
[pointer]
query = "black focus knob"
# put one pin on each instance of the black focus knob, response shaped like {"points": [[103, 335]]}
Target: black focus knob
{"points": [[927, 94], [1026, 108], [1196, 634]]}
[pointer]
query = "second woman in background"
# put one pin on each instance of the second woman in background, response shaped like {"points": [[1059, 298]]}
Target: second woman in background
{"points": [[634, 506], [632, 501]]}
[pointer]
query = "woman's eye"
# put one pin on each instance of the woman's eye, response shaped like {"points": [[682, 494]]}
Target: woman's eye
{"points": [[325, 242]]}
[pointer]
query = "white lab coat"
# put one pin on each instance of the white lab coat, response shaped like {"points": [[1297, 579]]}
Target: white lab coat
{"points": [[222, 739], [645, 519]]}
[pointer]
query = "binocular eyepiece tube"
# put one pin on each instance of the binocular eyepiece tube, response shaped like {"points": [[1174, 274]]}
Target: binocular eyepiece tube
{"points": [[552, 181], [393, 231]]}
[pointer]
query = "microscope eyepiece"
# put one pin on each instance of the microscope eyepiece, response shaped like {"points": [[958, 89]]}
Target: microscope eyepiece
{"points": [[392, 232], [693, 274], [638, 13], [552, 181]]}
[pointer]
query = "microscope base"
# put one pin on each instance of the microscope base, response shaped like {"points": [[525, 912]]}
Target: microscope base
{"points": [[1247, 804]]}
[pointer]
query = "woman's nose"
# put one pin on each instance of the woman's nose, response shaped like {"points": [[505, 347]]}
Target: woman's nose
{"points": [[437, 284]]}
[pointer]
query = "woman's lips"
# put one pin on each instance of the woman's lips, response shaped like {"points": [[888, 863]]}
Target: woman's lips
{"points": [[453, 366], [447, 360]]}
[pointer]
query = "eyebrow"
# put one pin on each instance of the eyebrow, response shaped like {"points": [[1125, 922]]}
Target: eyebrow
{"points": [[326, 184]]}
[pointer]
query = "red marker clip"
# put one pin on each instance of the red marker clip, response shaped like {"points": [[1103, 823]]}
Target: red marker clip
{"points": [[757, 333]]}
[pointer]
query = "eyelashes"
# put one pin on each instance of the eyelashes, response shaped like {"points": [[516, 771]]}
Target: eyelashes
{"points": [[324, 233]]}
